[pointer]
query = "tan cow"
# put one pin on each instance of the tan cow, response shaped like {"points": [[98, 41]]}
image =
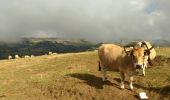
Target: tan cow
{"points": [[32, 56], [9, 57], [50, 53], [26, 56], [115, 58], [17, 56], [150, 53]]}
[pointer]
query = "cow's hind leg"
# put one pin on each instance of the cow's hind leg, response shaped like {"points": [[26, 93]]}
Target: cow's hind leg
{"points": [[131, 83], [103, 72], [122, 79], [99, 66]]}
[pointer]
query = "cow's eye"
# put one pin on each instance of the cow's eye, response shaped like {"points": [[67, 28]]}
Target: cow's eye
{"points": [[145, 53]]}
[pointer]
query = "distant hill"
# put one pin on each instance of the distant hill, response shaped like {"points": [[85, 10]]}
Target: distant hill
{"points": [[161, 43], [41, 46]]}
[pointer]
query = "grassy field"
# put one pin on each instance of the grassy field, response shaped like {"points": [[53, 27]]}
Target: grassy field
{"points": [[75, 76]]}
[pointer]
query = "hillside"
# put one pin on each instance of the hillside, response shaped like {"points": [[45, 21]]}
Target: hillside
{"points": [[75, 76], [41, 46]]}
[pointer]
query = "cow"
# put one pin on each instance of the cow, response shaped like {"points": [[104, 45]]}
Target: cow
{"points": [[32, 56], [115, 58], [17, 56], [9, 57], [26, 56], [149, 54], [50, 53]]}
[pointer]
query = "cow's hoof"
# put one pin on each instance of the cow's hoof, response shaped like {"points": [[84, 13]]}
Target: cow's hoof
{"points": [[131, 88], [143, 75], [104, 80], [122, 86]]}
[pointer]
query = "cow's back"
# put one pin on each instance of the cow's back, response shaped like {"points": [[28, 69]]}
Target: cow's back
{"points": [[110, 56]]}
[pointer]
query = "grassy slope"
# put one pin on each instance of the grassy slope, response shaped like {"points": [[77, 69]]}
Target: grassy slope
{"points": [[75, 76]]}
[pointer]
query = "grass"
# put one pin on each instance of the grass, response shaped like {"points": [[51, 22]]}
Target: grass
{"points": [[21, 76], [75, 76], [163, 52]]}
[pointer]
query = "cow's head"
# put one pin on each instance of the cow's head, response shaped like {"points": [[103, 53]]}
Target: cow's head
{"points": [[147, 52], [138, 57]]}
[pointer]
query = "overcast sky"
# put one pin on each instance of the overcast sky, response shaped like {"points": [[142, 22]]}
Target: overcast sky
{"points": [[95, 20]]}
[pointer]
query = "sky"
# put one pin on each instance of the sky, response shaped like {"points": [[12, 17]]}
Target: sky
{"points": [[94, 20]]}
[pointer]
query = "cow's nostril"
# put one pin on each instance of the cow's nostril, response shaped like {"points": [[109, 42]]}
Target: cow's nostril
{"points": [[138, 66]]}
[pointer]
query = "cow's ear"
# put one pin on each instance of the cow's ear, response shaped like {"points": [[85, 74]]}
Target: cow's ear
{"points": [[130, 53]]}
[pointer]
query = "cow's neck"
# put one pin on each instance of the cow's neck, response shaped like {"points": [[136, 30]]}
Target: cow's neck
{"points": [[128, 61]]}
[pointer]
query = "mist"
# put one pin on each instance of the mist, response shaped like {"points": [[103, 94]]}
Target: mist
{"points": [[94, 20]]}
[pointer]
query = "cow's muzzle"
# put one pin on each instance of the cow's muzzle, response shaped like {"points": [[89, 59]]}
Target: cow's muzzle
{"points": [[138, 66]]}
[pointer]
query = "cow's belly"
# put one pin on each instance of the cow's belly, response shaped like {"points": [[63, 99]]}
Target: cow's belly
{"points": [[111, 66]]}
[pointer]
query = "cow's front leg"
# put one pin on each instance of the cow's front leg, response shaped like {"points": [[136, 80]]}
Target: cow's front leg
{"points": [[122, 79], [131, 83], [145, 61], [146, 65], [143, 70], [104, 73]]}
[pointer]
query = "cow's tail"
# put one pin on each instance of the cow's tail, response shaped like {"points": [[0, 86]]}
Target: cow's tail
{"points": [[99, 66]]}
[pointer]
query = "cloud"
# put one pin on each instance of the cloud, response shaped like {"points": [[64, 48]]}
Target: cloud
{"points": [[95, 20]]}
